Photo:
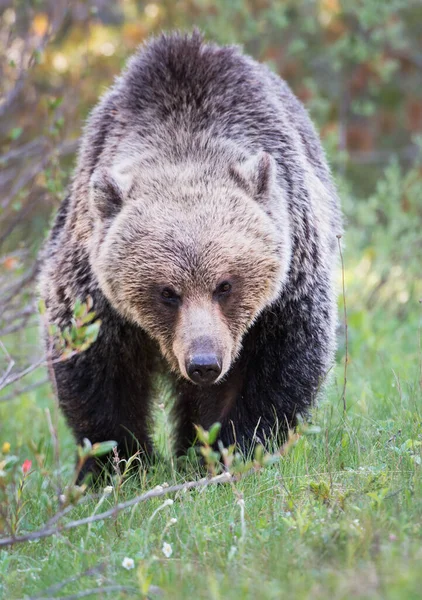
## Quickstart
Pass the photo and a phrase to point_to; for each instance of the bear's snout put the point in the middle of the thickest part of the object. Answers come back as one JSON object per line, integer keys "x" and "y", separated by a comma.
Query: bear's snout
{"x": 203, "y": 369}
{"x": 202, "y": 343}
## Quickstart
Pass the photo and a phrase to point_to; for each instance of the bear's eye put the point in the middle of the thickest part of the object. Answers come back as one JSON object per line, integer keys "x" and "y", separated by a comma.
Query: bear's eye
{"x": 223, "y": 289}
{"x": 169, "y": 296}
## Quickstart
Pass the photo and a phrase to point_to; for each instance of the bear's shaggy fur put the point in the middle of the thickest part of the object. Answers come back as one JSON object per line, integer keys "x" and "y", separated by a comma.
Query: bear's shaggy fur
{"x": 202, "y": 218}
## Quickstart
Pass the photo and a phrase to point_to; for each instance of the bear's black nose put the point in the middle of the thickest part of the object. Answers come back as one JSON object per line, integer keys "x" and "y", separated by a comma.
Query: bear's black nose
{"x": 204, "y": 369}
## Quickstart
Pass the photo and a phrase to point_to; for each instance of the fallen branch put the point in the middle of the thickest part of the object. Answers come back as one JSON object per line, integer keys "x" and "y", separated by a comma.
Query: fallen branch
{"x": 56, "y": 587}
{"x": 155, "y": 493}
{"x": 346, "y": 336}
{"x": 10, "y": 365}
{"x": 28, "y": 388}
{"x": 5, "y": 381}
{"x": 107, "y": 589}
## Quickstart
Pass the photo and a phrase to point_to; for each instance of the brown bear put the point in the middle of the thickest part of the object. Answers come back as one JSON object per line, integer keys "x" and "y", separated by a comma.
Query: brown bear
{"x": 202, "y": 221}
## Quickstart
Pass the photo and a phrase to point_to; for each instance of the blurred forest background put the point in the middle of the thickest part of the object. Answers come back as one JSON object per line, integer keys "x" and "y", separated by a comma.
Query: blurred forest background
{"x": 339, "y": 517}
{"x": 356, "y": 64}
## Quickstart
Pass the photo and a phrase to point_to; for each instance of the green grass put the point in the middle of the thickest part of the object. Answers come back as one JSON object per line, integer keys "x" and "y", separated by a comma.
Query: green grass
{"x": 339, "y": 516}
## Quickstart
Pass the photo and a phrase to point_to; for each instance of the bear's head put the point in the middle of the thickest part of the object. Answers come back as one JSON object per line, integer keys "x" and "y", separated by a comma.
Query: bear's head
{"x": 191, "y": 256}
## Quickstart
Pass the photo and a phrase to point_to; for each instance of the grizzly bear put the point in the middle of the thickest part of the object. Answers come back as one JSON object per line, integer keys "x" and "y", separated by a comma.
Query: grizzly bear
{"x": 202, "y": 221}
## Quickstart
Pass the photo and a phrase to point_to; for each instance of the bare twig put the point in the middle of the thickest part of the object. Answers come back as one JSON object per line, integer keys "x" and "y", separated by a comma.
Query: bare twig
{"x": 28, "y": 388}
{"x": 31, "y": 148}
{"x": 154, "y": 493}
{"x": 53, "y": 432}
{"x": 92, "y": 571}
{"x": 54, "y": 25}
{"x": 379, "y": 157}
{"x": 59, "y": 515}
{"x": 12, "y": 378}
{"x": 67, "y": 509}
{"x": 420, "y": 351}
{"x": 19, "y": 320}
{"x": 107, "y": 589}
{"x": 26, "y": 279}
{"x": 328, "y": 456}
{"x": 10, "y": 365}
{"x": 346, "y": 357}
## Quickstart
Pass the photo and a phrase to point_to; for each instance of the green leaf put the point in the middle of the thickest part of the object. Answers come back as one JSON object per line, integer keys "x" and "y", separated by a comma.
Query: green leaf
{"x": 85, "y": 450}
{"x": 10, "y": 461}
{"x": 42, "y": 307}
{"x": 15, "y": 133}
{"x": 102, "y": 448}
{"x": 213, "y": 433}
{"x": 202, "y": 434}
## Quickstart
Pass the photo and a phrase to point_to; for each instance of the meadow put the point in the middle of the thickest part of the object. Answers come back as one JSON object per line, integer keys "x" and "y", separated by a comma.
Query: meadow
{"x": 338, "y": 512}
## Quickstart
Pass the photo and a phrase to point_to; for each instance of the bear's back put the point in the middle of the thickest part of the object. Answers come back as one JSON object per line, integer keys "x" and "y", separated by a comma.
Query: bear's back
{"x": 201, "y": 86}
{"x": 177, "y": 89}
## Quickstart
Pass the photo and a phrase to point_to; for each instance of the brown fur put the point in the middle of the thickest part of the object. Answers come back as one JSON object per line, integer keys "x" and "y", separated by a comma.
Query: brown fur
{"x": 199, "y": 167}
{"x": 156, "y": 242}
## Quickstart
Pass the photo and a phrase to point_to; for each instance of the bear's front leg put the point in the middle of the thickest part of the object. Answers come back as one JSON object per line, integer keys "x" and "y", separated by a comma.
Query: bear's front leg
{"x": 104, "y": 391}
{"x": 204, "y": 406}
{"x": 284, "y": 364}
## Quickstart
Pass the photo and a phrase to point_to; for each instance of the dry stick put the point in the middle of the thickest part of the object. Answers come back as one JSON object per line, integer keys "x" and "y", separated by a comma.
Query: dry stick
{"x": 155, "y": 493}
{"x": 52, "y": 29}
{"x": 327, "y": 453}
{"x": 32, "y": 148}
{"x": 61, "y": 513}
{"x": 12, "y": 378}
{"x": 53, "y": 432}
{"x": 99, "y": 590}
{"x": 420, "y": 352}
{"x": 56, "y": 587}
{"x": 28, "y": 388}
{"x": 10, "y": 365}
{"x": 346, "y": 358}
{"x": 54, "y": 429}
{"x": 36, "y": 365}
{"x": 67, "y": 509}
{"x": 18, "y": 287}
{"x": 19, "y": 323}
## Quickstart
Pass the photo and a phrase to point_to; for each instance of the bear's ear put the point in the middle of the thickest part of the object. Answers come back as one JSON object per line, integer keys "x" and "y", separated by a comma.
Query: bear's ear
{"x": 256, "y": 175}
{"x": 106, "y": 195}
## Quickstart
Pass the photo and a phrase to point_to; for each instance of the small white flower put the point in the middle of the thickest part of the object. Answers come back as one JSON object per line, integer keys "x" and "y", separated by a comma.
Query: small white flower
{"x": 168, "y": 502}
{"x": 165, "y": 484}
{"x": 128, "y": 563}
{"x": 107, "y": 490}
{"x": 158, "y": 488}
{"x": 173, "y": 520}
{"x": 167, "y": 550}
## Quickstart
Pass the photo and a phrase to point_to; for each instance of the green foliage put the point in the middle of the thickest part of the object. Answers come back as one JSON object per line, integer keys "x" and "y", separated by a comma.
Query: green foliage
{"x": 80, "y": 334}
{"x": 326, "y": 517}
{"x": 336, "y": 512}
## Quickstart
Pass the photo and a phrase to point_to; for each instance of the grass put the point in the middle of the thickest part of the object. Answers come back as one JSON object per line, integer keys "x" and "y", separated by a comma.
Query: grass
{"x": 339, "y": 516}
